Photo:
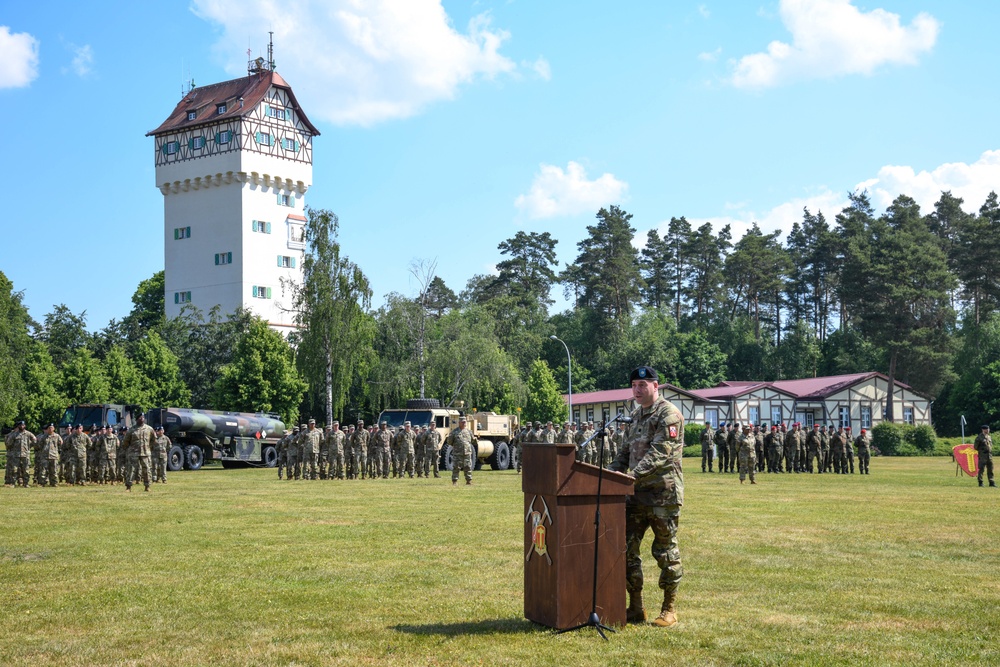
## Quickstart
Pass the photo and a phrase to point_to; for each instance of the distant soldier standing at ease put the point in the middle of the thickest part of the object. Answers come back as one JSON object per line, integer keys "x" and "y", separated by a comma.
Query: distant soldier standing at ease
{"x": 138, "y": 444}
{"x": 160, "y": 453}
{"x": 47, "y": 457}
{"x": 984, "y": 445}
{"x": 864, "y": 452}
{"x": 651, "y": 453}
{"x": 747, "y": 454}
{"x": 722, "y": 452}
{"x": 432, "y": 451}
{"x": 707, "y": 437}
{"x": 19, "y": 444}
{"x": 462, "y": 442}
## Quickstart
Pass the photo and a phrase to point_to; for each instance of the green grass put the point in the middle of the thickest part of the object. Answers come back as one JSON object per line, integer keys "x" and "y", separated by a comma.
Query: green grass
{"x": 233, "y": 567}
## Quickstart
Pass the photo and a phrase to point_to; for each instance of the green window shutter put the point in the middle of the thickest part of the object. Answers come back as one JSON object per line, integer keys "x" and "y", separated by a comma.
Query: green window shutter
{"x": 188, "y": 233}
{"x": 293, "y": 262}
{"x": 256, "y": 136}
{"x": 268, "y": 292}
{"x": 255, "y": 291}
{"x": 217, "y": 136}
{"x": 267, "y": 109}
{"x": 229, "y": 258}
{"x": 255, "y": 225}
{"x": 177, "y": 297}
{"x": 267, "y": 228}
{"x": 216, "y": 259}
{"x": 279, "y": 260}
{"x": 296, "y": 145}
{"x": 288, "y": 114}
{"x": 175, "y": 233}
{"x": 291, "y": 201}
{"x": 163, "y": 149}
{"x": 191, "y": 142}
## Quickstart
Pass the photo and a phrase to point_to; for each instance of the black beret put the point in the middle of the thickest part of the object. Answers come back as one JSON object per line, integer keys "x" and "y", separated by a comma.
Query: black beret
{"x": 20, "y": 423}
{"x": 643, "y": 373}
{"x": 980, "y": 428}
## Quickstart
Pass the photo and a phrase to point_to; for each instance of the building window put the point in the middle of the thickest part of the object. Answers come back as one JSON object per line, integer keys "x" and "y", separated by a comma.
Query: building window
{"x": 276, "y": 112}
{"x": 261, "y": 227}
{"x": 224, "y": 137}
{"x": 290, "y": 144}
{"x": 286, "y": 200}
{"x": 286, "y": 262}
{"x": 866, "y": 417}
{"x": 171, "y": 147}
{"x": 712, "y": 417}
{"x": 754, "y": 414}
{"x": 192, "y": 115}
{"x": 908, "y": 416}
{"x": 590, "y": 414}
{"x": 182, "y": 233}
{"x": 261, "y": 292}
{"x": 845, "y": 417}
{"x": 776, "y": 417}
{"x": 223, "y": 258}
{"x": 220, "y": 108}
{"x": 197, "y": 142}
{"x": 182, "y": 297}
{"x": 264, "y": 139}
{"x": 296, "y": 236}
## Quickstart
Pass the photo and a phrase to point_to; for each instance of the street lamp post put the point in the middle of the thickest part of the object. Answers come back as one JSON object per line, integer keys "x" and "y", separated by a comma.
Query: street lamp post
{"x": 569, "y": 369}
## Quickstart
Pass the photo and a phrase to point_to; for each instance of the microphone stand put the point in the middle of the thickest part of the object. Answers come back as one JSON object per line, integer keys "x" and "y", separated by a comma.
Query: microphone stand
{"x": 594, "y": 621}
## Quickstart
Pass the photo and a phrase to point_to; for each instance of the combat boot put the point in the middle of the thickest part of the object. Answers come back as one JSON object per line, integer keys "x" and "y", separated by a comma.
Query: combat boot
{"x": 993, "y": 484}
{"x": 635, "y": 612}
{"x": 668, "y": 616}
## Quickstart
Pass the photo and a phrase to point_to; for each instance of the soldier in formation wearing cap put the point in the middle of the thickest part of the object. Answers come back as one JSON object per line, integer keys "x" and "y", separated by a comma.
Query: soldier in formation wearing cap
{"x": 310, "y": 451}
{"x": 707, "y": 440}
{"x": 838, "y": 451}
{"x": 138, "y": 443}
{"x": 335, "y": 452}
{"x": 107, "y": 456}
{"x": 380, "y": 459}
{"x": 565, "y": 436}
{"x": 848, "y": 451}
{"x": 359, "y": 445}
{"x": 652, "y": 451}
{"x": 462, "y": 442}
{"x": 161, "y": 451}
{"x": 864, "y": 452}
{"x": 77, "y": 445}
{"x": 408, "y": 441}
{"x": 747, "y": 454}
{"x": 721, "y": 452}
{"x": 292, "y": 469}
{"x": 47, "y": 457}
{"x": 984, "y": 446}
{"x": 19, "y": 444}
{"x": 432, "y": 451}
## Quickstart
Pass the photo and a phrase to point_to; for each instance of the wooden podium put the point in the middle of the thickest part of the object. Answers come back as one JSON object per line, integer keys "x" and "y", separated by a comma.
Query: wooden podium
{"x": 560, "y": 498}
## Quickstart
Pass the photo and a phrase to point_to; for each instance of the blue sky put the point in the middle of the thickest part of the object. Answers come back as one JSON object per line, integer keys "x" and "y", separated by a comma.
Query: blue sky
{"x": 448, "y": 127}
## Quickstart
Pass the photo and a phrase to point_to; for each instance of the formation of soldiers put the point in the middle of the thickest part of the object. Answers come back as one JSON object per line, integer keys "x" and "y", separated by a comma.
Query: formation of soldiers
{"x": 307, "y": 452}
{"x": 749, "y": 449}
{"x": 571, "y": 433}
{"x": 102, "y": 456}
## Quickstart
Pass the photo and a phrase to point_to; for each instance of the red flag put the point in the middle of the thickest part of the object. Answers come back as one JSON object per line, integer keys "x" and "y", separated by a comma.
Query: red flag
{"x": 967, "y": 458}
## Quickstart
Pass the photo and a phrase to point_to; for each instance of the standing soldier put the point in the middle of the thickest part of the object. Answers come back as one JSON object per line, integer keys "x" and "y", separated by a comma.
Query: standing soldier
{"x": 432, "y": 451}
{"x": 139, "y": 443}
{"x": 408, "y": 440}
{"x": 381, "y": 459}
{"x": 758, "y": 435}
{"x": 19, "y": 444}
{"x": 77, "y": 447}
{"x": 310, "y": 451}
{"x": 349, "y": 470}
{"x": 335, "y": 452}
{"x": 292, "y": 455}
{"x": 107, "y": 466}
{"x": 848, "y": 451}
{"x": 824, "y": 449}
{"x": 774, "y": 447}
{"x": 418, "y": 450}
{"x": 733, "y": 445}
{"x": 984, "y": 445}
{"x": 359, "y": 443}
{"x": 96, "y": 432}
{"x": 838, "y": 451}
{"x": 864, "y": 454}
{"x": 324, "y": 453}
{"x": 721, "y": 451}
{"x": 791, "y": 443}
{"x": 747, "y": 454}
{"x": 814, "y": 450}
{"x": 565, "y": 436}
{"x": 160, "y": 452}
{"x": 707, "y": 436}
{"x": 463, "y": 444}
{"x": 50, "y": 445}
{"x": 121, "y": 460}
{"x": 652, "y": 451}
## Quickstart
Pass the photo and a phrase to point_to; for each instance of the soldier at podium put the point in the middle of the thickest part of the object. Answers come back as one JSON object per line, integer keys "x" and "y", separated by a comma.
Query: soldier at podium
{"x": 651, "y": 453}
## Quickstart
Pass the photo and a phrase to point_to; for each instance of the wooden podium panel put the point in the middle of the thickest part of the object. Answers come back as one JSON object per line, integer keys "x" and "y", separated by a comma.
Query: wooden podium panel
{"x": 560, "y": 500}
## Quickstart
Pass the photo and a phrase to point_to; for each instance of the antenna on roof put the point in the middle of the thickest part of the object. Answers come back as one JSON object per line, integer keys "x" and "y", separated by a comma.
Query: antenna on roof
{"x": 270, "y": 50}
{"x": 259, "y": 65}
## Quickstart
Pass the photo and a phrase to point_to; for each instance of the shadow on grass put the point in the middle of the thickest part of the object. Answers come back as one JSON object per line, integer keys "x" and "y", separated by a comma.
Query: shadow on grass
{"x": 505, "y": 626}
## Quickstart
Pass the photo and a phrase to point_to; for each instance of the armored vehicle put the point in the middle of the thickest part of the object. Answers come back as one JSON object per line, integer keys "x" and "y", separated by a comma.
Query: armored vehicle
{"x": 234, "y": 438}
{"x": 88, "y": 414}
{"x": 493, "y": 431}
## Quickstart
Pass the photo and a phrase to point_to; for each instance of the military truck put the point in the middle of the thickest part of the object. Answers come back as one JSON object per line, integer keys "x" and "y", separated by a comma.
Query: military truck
{"x": 88, "y": 414}
{"x": 234, "y": 438}
{"x": 493, "y": 431}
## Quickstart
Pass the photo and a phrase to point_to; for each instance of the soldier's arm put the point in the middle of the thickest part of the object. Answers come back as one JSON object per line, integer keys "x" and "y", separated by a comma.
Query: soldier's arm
{"x": 663, "y": 449}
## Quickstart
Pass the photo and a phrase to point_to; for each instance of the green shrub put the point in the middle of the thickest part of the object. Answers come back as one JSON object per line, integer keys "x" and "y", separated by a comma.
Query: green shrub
{"x": 923, "y": 438}
{"x": 908, "y": 449}
{"x": 889, "y": 437}
{"x": 692, "y": 434}
{"x": 693, "y": 450}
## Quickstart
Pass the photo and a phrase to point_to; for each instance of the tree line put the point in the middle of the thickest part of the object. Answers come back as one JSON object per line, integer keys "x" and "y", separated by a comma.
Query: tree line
{"x": 911, "y": 294}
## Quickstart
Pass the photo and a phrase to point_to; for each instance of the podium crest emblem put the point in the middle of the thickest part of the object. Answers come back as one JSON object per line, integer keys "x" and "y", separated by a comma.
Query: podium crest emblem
{"x": 538, "y": 521}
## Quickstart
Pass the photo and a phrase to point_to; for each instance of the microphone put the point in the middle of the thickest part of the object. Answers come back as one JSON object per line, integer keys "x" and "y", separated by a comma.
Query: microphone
{"x": 622, "y": 419}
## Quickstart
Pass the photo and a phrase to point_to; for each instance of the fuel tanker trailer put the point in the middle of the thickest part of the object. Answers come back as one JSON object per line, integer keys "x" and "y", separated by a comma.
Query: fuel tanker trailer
{"x": 235, "y": 438}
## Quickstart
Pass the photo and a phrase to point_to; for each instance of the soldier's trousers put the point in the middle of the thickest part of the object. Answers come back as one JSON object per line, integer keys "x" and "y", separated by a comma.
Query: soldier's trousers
{"x": 748, "y": 466}
{"x": 310, "y": 465}
{"x": 50, "y": 471}
{"x": 79, "y": 468}
{"x": 431, "y": 463}
{"x": 790, "y": 461}
{"x": 282, "y": 463}
{"x": 21, "y": 471}
{"x": 706, "y": 458}
{"x": 394, "y": 468}
{"x": 9, "y": 474}
{"x": 122, "y": 465}
{"x": 838, "y": 462}
{"x": 106, "y": 469}
{"x": 774, "y": 460}
{"x": 849, "y": 463}
{"x": 385, "y": 461}
{"x": 407, "y": 462}
{"x": 723, "y": 458}
{"x": 292, "y": 470}
{"x": 360, "y": 462}
{"x": 986, "y": 463}
{"x": 863, "y": 459}
{"x": 324, "y": 463}
{"x": 663, "y": 521}
{"x": 160, "y": 468}
{"x": 461, "y": 461}
{"x": 418, "y": 460}
{"x": 137, "y": 466}
{"x": 814, "y": 454}
{"x": 336, "y": 467}
{"x": 761, "y": 457}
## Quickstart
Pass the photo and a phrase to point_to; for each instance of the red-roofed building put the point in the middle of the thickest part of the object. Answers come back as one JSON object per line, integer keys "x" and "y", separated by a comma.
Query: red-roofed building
{"x": 856, "y": 400}
{"x": 233, "y": 162}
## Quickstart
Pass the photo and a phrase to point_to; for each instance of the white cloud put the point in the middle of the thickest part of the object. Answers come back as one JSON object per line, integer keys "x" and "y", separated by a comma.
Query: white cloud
{"x": 710, "y": 56}
{"x": 972, "y": 182}
{"x": 555, "y": 192}
{"x": 703, "y": 10}
{"x": 362, "y": 63}
{"x": 833, "y": 38}
{"x": 83, "y": 59}
{"x": 18, "y": 58}
{"x": 542, "y": 68}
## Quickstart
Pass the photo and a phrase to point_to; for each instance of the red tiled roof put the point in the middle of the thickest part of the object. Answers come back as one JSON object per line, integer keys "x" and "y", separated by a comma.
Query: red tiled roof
{"x": 606, "y": 396}
{"x": 822, "y": 387}
{"x": 724, "y": 390}
{"x": 296, "y": 216}
{"x": 204, "y": 100}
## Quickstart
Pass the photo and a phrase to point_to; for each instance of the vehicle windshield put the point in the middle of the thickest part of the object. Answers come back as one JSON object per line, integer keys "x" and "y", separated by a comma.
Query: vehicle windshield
{"x": 86, "y": 415}
{"x": 395, "y": 418}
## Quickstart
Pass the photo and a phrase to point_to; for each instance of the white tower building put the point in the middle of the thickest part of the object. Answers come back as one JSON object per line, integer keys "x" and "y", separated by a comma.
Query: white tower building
{"x": 234, "y": 161}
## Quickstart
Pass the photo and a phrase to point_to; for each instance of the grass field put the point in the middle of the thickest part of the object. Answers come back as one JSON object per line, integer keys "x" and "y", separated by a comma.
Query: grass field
{"x": 233, "y": 567}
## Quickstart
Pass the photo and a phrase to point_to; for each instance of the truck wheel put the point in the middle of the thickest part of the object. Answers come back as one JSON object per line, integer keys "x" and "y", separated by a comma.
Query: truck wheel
{"x": 175, "y": 458}
{"x": 422, "y": 404}
{"x": 514, "y": 456}
{"x": 447, "y": 460}
{"x": 194, "y": 457}
{"x": 270, "y": 456}
{"x": 501, "y": 456}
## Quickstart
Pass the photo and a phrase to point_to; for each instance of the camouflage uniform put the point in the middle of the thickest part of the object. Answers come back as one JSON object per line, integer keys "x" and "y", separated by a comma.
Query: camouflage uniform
{"x": 432, "y": 452}
{"x": 773, "y": 443}
{"x": 418, "y": 451}
{"x": 359, "y": 443}
{"x": 814, "y": 450}
{"x": 324, "y": 453}
{"x": 653, "y": 447}
{"x": 747, "y": 455}
{"x": 463, "y": 444}
{"x": 864, "y": 453}
{"x": 19, "y": 444}
{"x": 733, "y": 445}
{"x": 407, "y": 440}
{"x": 848, "y": 452}
{"x": 335, "y": 452}
{"x": 578, "y": 439}
{"x": 824, "y": 450}
{"x": 47, "y": 458}
{"x": 838, "y": 451}
{"x": 791, "y": 450}
{"x": 159, "y": 459}
{"x": 310, "y": 451}
{"x": 107, "y": 457}
{"x": 707, "y": 436}
{"x": 721, "y": 449}
{"x": 984, "y": 445}
{"x": 565, "y": 436}
{"x": 138, "y": 443}
{"x": 77, "y": 446}
{"x": 384, "y": 452}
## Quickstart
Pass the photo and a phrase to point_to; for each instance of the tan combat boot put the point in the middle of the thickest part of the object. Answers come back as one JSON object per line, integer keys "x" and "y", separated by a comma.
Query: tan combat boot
{"x": 635, "y": 612}
{"x": 668, "y": 616}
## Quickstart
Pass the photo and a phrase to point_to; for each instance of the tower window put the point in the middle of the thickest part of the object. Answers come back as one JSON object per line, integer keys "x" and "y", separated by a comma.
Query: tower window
{"x": 220, "y": 108}
{"x": 286, "y": 262}
{"x": 182, "y": 297}
{"x": 290, "y": 144}
{"x": 224, "y": 137}
{"x": 261, "y": 292}
{"x": 275, "y": 112}
{"x": 261, "y": 227}
{"x": 223, "y": 258}
{"x": 182, "y": 233}
{"x": 197, "y": 142}
{"x": 171, "y": 147}
{"x": 264, "y": 139}
{"x": 286, "y": 200}
{"x": 192, "y": 115}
